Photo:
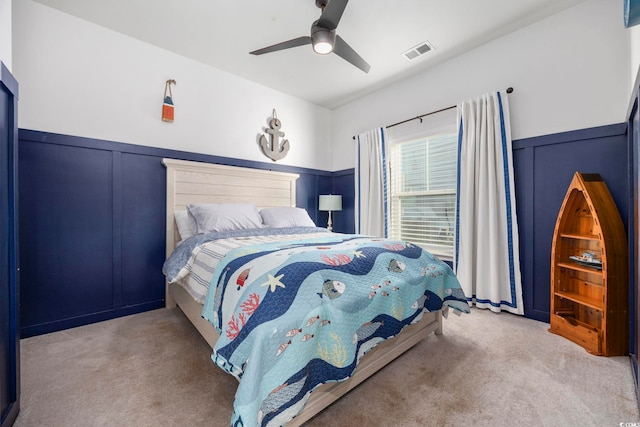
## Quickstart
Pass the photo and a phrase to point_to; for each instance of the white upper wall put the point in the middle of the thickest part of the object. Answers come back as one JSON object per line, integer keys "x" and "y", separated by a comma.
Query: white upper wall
{"x": 569, "y": 71}
{"x": 574, "y": 70}
{"x": 5, "y": 33}
{"x": 634, "y": 63}
{"x": 77, "y": 78}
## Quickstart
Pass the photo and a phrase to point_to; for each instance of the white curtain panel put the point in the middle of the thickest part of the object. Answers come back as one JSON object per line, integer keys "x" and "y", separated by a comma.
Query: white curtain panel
{"x": 487, "y": 259}
{"x": 371, "y": 204}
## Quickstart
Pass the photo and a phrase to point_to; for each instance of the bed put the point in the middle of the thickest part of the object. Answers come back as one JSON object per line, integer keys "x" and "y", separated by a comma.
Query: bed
{"x": 195, "y": 183}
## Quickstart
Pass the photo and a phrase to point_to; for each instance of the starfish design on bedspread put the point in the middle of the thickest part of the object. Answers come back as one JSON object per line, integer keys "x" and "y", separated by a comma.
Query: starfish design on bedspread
{"x": 273, "y": 282}
{"x": 358, "y": 254}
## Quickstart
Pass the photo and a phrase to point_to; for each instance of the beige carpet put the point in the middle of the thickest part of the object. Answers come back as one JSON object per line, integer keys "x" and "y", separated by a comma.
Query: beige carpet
{"x": 487, "y": 369}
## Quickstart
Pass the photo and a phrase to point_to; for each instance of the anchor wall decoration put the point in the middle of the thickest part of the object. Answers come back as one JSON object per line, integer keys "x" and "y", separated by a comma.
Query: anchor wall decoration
{"x": 273, "y": 149}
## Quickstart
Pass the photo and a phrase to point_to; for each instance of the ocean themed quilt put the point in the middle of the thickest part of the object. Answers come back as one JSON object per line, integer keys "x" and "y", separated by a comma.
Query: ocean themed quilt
{"x": 294, "y": 315}
{"x": 193, "y": 262}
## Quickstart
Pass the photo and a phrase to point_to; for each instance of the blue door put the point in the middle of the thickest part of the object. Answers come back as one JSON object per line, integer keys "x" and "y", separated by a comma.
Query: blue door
{"x": 9, "y": 331}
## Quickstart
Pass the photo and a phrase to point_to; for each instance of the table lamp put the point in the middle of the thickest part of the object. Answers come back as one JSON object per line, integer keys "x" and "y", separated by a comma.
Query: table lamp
{"x": 330, "y": 203}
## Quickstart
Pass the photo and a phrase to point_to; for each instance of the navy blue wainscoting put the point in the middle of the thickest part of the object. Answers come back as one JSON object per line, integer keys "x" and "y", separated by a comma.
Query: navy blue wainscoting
{"x": 93, "y": 226}
{"x": 92, "y": 215}
{"x": 344, "y": 184}
{"x": 141, "y": 214}
{"x": 543, "y": 169}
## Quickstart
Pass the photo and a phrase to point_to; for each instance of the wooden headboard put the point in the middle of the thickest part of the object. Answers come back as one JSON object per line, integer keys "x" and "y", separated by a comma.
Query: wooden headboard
{"x": 196, "y": 182}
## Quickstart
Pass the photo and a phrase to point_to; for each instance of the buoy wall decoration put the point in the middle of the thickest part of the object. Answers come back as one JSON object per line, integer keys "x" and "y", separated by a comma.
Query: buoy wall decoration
{"x": 167, "y": 105}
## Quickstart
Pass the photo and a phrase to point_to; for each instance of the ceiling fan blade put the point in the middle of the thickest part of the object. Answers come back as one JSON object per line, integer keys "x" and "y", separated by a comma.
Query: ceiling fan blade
{"x": 343, "y": 50}
{"x": 300, "y": 41}
{"x": 332, "y": 13}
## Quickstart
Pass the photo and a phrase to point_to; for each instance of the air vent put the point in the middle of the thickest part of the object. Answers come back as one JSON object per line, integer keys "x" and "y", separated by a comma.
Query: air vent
{"x": 418, "y": 50}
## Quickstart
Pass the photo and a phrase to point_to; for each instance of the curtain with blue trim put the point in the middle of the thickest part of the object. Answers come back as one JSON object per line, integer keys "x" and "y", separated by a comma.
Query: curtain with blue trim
{"x": 371, "y": 203}
{"x": 486, "y": 251}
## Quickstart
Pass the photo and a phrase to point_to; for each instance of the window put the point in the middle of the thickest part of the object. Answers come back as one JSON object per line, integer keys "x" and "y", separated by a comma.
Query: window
{"x": 423, "y": 192}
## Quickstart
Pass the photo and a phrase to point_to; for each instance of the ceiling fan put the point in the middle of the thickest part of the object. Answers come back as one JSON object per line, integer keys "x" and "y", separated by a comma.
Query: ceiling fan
{"x": 323, "y": 37}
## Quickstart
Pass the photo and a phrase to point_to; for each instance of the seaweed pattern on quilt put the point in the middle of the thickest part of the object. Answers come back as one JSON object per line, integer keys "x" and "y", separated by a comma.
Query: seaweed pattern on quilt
{"x": 297, "y": 315}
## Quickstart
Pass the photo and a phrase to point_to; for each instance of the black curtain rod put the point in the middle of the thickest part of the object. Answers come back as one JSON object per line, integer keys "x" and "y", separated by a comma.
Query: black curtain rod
{"x": 509, "y": 90}
{"x": 421, "y": 116}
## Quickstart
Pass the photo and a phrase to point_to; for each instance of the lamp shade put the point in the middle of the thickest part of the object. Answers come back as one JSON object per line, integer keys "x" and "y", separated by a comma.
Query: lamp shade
{"x": 330, "y": 202}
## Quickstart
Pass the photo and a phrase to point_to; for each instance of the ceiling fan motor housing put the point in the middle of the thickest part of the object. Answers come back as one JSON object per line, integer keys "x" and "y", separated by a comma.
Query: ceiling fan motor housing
{"x": 323, "y": 40}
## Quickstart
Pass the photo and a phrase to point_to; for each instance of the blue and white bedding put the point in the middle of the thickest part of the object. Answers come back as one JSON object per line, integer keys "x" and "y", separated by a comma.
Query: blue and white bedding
{"x": 295, "y": 314}
{"x": 194, "y": 260}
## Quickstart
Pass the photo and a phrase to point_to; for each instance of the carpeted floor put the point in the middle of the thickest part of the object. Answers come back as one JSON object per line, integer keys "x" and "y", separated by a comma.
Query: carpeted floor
{"x": 487, "y": 369}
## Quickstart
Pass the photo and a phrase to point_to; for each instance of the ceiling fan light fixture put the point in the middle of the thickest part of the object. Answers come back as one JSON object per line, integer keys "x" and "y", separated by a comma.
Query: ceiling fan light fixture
{"x": 322, "y": 48}
{"x": 322, "y": 40}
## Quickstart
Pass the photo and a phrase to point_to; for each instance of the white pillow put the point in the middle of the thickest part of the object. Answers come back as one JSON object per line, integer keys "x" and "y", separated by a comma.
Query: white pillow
{"x": 286, "y": 217}
{"x": 186, "y": 224}
{"x": 225, "y": 216}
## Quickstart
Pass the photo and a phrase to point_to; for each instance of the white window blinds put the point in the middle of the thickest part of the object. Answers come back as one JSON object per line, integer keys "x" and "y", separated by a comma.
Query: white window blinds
{"x": 423, "y": 192}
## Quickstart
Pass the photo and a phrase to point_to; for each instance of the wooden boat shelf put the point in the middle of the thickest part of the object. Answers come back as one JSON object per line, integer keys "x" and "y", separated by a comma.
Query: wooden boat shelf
{"x": 589, "y": 306}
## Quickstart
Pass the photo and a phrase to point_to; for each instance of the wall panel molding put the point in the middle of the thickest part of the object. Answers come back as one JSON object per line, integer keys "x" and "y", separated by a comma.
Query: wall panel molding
{"x": 94, "y": 242}
{"x": 135, "y": 189}
{"x": 543, "y": 169}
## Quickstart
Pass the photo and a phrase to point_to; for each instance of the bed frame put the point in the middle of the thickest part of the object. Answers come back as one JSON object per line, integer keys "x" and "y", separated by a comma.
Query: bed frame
{"x": 195, "y": 182}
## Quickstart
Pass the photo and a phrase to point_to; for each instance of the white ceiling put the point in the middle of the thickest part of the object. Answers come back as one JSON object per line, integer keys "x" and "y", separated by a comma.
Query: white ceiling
{"x": 222, "y": 33}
